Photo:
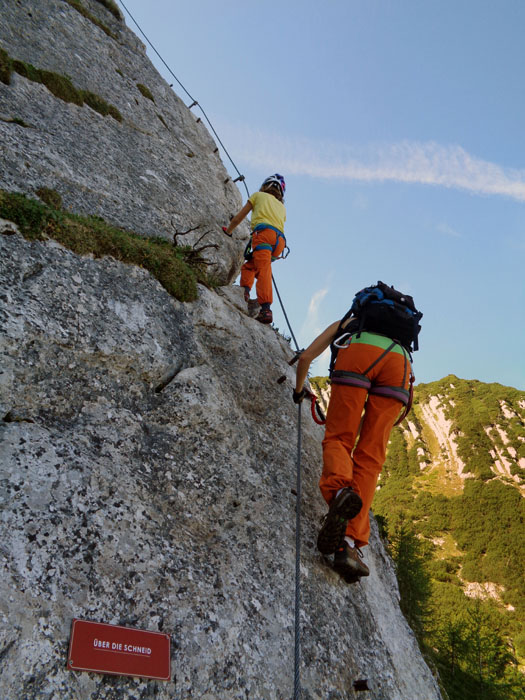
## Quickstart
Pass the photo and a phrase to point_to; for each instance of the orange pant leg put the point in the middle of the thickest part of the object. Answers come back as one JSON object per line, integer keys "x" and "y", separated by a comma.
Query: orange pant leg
{"x": 341, "y": 431}
{"x": 262, "y": 260}
{"x": 248, "y": 274}
{"x": 381, "y": 413}
{"x": 260, "y": 266}
{"x": 278, "y": 248}
{"x": 344, "y": 463}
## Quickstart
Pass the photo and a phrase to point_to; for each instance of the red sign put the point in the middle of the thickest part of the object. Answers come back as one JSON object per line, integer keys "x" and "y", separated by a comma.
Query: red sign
{"x": 121, "y": 651}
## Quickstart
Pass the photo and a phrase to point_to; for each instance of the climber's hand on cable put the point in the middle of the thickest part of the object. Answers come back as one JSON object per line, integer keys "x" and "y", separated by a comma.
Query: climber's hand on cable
{"x": 225, "y": 230}
{"x": 298, "y": 396}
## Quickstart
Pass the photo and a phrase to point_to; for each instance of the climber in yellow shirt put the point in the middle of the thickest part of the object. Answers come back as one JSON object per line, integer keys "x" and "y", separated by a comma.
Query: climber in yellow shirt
{"x": 267, "y": 244}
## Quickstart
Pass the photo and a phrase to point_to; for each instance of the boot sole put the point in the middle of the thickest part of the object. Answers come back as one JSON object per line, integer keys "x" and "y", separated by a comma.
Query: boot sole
{"x": 348, "y": 573}
{"x": 339, "y": 514}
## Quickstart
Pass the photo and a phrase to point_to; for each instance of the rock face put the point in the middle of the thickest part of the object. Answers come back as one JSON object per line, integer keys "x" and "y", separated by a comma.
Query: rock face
{"x": 155, "y": 172}
{"x": 147, "y": 453}
{"x": 168, "y": 507}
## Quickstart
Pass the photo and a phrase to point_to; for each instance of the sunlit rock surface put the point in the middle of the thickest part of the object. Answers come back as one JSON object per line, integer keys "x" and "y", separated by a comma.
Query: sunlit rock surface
{"x": 147, "y": 453}
{"x": 157, "y": 172}
{"x": 168, "y": 509}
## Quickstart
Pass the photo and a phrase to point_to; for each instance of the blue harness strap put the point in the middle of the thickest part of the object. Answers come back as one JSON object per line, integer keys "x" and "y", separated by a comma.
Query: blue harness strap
{"x": 267, "y": 246}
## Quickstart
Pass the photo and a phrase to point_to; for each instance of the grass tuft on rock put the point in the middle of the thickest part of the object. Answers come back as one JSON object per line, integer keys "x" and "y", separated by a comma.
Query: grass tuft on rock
{"x": 145, "y": 91}
{"x": 112, "y": 7}
{"x": 50, "y": 197}
{"x": 96, "y": 102}
{"x": 6, "y": 67}
{"x": 177, "y": 268}
{"x": 77, "y": 5}
{"x": 61, "y": 86}
{"x": 15, "y": 120}
{"x": 58, "y": 85}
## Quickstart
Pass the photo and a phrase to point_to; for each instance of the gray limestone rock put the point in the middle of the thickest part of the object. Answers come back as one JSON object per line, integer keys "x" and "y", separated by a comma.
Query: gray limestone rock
{"x": 156, "y": 172}
{"x": 148, "y": 457}
{"x": 147, "y": 453}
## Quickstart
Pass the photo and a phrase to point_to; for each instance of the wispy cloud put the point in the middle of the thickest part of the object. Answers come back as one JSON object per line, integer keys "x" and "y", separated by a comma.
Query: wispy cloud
{"x": 311, "y": 326}
{"x": 315, "y": 302}
{"x": 411, "y": 162}
{"x": 448, "y": 230}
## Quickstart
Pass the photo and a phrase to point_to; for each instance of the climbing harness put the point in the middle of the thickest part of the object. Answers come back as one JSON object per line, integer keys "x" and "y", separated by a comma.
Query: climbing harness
{"x": 384, "y": 311}
{"x": 248, "y": 252}
{"x": 363, "y": 381}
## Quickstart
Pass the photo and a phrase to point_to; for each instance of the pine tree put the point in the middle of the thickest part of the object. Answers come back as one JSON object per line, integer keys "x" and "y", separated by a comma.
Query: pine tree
{"x": 413, "y": 579}
{"x": 489, "y": 655}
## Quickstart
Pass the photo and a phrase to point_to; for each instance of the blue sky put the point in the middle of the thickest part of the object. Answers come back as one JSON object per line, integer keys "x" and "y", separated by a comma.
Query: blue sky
{"x": 399, "y": 128}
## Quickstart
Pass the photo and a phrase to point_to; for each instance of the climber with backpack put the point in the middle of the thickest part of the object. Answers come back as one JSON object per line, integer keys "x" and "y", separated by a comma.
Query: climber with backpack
{"x": 267, "y": 242}
{"x": 371, "y": 383}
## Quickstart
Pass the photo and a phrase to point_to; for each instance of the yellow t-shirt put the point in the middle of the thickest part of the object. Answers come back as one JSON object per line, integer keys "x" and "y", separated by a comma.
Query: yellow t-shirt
{"x": 267, "y": 209}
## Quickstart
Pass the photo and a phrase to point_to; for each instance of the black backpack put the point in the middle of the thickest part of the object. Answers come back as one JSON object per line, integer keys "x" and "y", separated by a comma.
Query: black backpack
{"x": 382, "y": 309}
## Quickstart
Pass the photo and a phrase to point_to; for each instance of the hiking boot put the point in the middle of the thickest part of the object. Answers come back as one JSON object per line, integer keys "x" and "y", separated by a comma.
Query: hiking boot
{"x": 253, "y": 307}
{"x": 265, "y": 316}
{"x": 343, "y": 508}
{"x": 246, "y": 295}
{"x": 348, "y": 563}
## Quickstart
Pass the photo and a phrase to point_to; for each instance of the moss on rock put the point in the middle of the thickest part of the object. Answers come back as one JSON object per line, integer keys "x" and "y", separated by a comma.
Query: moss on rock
{"x": 58, "y": 85}
{"x": 145, "y": 91}
{"x": 77, "y": 5}
{"x": 177, "y": 268}
{"x": 112, "y": 7}
{"x": 50, "y": 197}
{"x": 6, "y": 67}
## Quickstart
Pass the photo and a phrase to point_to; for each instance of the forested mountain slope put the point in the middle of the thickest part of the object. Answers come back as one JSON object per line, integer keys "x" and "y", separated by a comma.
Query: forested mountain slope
{"x": 450, "y": 503}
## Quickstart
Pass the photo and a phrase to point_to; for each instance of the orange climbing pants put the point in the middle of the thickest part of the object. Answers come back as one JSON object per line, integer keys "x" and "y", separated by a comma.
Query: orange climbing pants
{"x": 260, "y": 266}
{"x": 346, "y": 463}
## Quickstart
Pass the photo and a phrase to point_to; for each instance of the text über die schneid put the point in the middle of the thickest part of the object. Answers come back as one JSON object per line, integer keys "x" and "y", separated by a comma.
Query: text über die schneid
{"x": 120, "y": 646}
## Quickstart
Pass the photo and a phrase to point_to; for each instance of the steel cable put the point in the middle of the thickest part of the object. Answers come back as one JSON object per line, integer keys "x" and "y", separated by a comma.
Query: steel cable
{"x": 241, "y": 177}
{"x": 194, "y": 101}
{"x": 285, "y": 315}
{"x": 297, "y": 649}
{"x": 297, "y": 677}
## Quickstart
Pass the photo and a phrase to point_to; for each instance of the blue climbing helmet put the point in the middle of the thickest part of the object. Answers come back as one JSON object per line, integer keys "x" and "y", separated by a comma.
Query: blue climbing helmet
{"x": 275, "y": 179}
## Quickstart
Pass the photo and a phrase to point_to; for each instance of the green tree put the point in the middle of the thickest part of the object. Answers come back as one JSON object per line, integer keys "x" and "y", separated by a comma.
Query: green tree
{"x": 414, "y": 582}
{"x": 489, "y": 654}
{"x": 450, "y": 640}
